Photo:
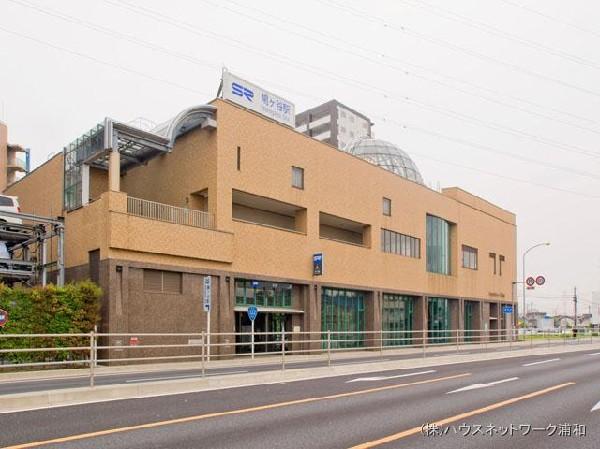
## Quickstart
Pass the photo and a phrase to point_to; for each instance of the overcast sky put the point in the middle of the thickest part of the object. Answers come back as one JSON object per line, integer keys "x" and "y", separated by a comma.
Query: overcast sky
{"x": 499, "y": 97}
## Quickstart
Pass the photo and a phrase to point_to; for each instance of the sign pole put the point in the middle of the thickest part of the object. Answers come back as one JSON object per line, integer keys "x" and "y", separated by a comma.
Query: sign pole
{"x": 207, "y": 306}
{"x": 252, "y": 339}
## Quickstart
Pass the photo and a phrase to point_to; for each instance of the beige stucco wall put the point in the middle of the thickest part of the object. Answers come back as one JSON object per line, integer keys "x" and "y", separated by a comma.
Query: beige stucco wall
{"x": 335, "y": 183}
{"x": 40, "y": 192}
{"x": 345, "y": 186}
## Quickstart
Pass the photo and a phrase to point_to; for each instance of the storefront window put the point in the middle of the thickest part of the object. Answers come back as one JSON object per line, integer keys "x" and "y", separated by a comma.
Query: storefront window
{"x": 397, "y": 319}
{"x": 259, "y": 293}
{"x": 438, "y": 320}
{"x": 343, "y": 313}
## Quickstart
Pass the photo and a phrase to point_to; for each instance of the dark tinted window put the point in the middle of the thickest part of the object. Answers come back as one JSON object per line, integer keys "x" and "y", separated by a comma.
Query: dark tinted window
{"x": 6, "y": 201}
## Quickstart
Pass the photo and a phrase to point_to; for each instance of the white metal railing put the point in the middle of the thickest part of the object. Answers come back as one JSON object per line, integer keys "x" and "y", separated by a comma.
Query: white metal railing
{"x": 87, "y": 350}
{"x": 171, "y": 214}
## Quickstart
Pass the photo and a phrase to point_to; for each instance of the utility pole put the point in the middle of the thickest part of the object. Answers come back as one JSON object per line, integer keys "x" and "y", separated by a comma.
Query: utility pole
{"x": 575, "y": 305}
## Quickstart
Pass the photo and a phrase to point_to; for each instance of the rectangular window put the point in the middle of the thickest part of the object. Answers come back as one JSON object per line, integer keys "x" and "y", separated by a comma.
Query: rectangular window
{"x": 343, "y": 314}
{"x": 298, "y": 177}
{"x": 396, "y": 319}
{"x": 259, "y": 293}
{"x": 239, "y": 159}
{"x": 160, "y": 281}
{"x": 387, "y": 206}
{"x": 438, "y": 245}
{"x": 501, "y": 260}
{"x": 469, "y": 256}
{"x": 396, "y": 243}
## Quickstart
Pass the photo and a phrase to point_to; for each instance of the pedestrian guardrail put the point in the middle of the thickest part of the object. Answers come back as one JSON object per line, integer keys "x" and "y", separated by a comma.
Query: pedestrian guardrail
{"x": 88, "y": 350}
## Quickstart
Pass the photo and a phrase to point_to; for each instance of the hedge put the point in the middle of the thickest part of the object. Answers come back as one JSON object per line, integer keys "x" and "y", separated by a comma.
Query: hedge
{"x": 74, "y": 308}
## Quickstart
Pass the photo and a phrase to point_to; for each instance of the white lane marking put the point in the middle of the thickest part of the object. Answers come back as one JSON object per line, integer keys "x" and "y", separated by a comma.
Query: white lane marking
{"x": 595, "y": 407}
{"x": 360, "y": 363}
{"x": 477, "y": 386}
{"x": 373, "y": 379}
{"x": 188, "y": 376}
{"x": 540, "y": 362}
{"x": 595, "y": 353}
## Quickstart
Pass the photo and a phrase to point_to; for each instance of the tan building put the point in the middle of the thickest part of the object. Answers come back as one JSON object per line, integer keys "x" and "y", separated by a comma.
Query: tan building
{"x": 224, "y": 192}
{"x": 14, "y": 160}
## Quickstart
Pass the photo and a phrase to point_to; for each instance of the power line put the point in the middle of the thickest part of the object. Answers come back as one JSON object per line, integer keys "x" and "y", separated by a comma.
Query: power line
{"x": 551, "y": 18}
{"x": 402, "y": 70}
{"x": 101, "y": 61}
{"x": 161, "y": 17}
{"x": 172, "y": 84}
{"x": 495, "y": 31}
{"x": 457, "y": 48}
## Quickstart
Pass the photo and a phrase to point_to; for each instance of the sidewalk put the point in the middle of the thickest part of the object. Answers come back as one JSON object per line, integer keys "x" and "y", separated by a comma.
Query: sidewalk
{"x": 264, "y": 360}
{"x": 290, "y": 359}
{"x": 64, "y": 397}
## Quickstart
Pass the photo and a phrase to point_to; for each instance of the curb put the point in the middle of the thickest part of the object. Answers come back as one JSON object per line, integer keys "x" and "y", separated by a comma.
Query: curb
{"x": 19, "y": 402}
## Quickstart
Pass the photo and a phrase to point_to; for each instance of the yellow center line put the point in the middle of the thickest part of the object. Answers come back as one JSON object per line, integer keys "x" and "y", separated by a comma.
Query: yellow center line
{"x": 231, "y": 412}
{"x": 451, "y": 419}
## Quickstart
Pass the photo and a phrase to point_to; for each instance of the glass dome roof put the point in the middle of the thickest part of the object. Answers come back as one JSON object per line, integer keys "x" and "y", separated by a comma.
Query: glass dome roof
{"x": 386, "y": 155}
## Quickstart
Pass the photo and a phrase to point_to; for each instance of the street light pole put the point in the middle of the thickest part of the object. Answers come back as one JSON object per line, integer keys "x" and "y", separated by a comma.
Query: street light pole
{"x": 524, "y": 274}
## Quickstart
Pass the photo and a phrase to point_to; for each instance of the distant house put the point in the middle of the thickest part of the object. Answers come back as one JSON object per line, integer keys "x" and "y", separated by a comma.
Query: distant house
{"x": 539, "y": 320}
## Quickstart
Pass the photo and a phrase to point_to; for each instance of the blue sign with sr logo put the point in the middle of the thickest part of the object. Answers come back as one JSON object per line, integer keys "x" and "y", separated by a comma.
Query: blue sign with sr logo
{"x": 252, "y": 313}
{"x": 242, "y": 91}
{"x": 507, "y": 309}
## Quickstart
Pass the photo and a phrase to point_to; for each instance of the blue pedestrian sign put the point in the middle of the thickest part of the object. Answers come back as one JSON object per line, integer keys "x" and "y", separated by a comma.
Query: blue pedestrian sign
{"x": 507, "y": 309}
{"x": 252, "y": 312}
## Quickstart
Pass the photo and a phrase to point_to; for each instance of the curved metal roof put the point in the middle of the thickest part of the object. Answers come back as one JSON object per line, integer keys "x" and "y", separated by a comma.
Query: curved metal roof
{"x": 185, "y": 121}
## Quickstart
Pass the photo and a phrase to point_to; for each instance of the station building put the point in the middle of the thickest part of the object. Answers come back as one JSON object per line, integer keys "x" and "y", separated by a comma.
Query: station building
{"x": 225, "y": 192}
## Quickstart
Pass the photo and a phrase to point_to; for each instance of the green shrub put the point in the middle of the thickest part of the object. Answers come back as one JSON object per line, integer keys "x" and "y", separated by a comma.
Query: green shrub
{"x": 72, "y": 309}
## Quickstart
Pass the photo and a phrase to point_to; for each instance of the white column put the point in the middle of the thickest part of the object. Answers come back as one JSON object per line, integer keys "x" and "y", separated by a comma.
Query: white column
{"x": 85, "y": 184}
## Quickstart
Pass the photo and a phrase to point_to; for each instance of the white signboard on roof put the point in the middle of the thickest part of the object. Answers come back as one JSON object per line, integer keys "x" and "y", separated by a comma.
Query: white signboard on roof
{"x": 257, "y": 99}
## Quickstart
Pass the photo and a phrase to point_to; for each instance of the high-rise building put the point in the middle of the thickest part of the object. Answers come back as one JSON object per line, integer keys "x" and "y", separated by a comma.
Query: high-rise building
{"x": 14, "y": 160}
{"x": 334, "y": 123}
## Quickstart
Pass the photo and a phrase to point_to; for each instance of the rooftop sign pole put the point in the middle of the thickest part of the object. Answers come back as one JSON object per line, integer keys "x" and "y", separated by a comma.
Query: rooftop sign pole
{"x": 257, "y": 99}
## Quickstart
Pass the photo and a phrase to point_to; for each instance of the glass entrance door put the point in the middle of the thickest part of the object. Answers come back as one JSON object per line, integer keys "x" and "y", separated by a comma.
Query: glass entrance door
{"x": 267, "y": 331}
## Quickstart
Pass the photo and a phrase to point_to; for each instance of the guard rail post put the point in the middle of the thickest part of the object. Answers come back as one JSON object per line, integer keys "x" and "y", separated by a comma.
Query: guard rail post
{"x": 381, "y": 342}
{"x": 423, "y": 342}
{"x": 92, "y": 358}
{"x": 457, "y": 337}
{"x": 328, "y": 348}
{"x": 282, "y": 348}
{"x": 203, "y": 340}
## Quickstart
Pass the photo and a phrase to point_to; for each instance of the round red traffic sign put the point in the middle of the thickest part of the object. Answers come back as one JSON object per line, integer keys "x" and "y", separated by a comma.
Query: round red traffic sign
{"x": 3, "y": 317}
{"x": 530, "y": 281}
{"x": 540, "y": 280}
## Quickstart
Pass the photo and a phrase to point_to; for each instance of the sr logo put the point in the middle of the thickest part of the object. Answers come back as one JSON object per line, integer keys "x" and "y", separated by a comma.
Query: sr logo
{"x": 238, "y": 89}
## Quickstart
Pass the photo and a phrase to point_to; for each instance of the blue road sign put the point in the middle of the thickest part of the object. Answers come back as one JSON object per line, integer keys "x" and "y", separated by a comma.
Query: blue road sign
{"x": 507, "y": 309}
{"x": 252, "y": 312}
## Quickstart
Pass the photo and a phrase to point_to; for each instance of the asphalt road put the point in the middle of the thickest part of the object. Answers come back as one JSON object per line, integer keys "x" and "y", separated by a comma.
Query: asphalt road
{"x": 531, "y": 401}
{"x": 42, "y": 384}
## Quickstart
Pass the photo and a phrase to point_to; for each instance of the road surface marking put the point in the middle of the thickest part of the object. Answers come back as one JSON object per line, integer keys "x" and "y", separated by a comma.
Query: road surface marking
{"x": 459, "y": 417}
{"x": 231, "y": 412}
{"x": 476, "y": 386}
{"x": 373, "y": 379}
{"x": 595, "y": 407}
{"x": 595, "y": 353}
{"x": 540, "y": 362}
{"x": 183, "y": 376}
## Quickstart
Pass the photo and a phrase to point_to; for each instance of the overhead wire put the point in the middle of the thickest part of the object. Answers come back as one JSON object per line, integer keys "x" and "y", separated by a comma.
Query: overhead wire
{"x": 179, "y": 86}
{"x": 457, "y": 48}
{"x": 384, "y": 93}
{"x": 380, "y": 61}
